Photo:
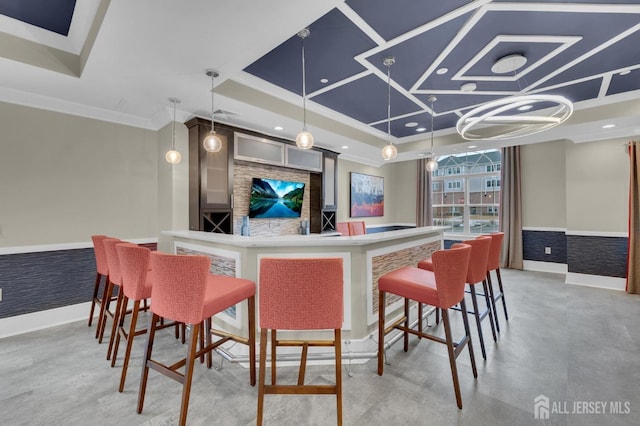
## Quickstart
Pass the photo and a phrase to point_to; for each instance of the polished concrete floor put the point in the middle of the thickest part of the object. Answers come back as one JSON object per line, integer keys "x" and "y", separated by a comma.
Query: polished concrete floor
{"x": 577, "y": 346}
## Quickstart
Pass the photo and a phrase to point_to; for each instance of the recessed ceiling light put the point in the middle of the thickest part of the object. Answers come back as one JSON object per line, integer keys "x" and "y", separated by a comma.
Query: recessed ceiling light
{"x": 468, "y": 87}
{"x": 410, "y": 124}
{"x": 278, "y": 128}
{"x": 625, "y": 72}
{"x": 345, "y": 147}
{"x": 421, "y": 129}
{"x": 525, "y": 107}
{"x": 472, "y": 146}
{"x": 442, "y": 70}
{"x": 324, "y": 81}
{"x": 420, "y": 154}
{"x": 608, "y": 126}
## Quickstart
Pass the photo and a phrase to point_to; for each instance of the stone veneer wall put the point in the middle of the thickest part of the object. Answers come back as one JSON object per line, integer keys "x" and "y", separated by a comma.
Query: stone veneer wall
{"x": 242, "y": 174}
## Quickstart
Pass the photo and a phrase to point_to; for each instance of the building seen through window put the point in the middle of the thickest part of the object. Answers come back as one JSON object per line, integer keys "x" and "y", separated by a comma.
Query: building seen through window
{"x": 466, "y": 192}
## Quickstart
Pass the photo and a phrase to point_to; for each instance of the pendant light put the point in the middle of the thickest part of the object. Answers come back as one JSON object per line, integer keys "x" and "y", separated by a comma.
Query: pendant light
{"x": 432, "y": 163}
{"x": 172, "y": 156}
{"x": 212, "y": 142}
{"x": 389, "y": 152}
{"x": 304, "y": 140}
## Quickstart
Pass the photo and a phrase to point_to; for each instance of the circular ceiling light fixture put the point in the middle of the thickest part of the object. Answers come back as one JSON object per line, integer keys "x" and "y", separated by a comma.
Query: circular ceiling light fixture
{"x": 442, "y": 70}
{"x": 410, "y": 124}
{"x": 504, "y": 118}
{"x": 499, "y": 119}
{"x": 509, "y": 63}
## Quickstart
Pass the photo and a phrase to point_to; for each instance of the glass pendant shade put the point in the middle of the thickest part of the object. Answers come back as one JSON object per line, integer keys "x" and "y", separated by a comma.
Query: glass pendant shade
{"x": 173, "y": 157}
{"x": 389, "y": 152}
{"x": 304, "y": 140}
{"x": 212, "y": 142}
{"x": 432, "y": 165}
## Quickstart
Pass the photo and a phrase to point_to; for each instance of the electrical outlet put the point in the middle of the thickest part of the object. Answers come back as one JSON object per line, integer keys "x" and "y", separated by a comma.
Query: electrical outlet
{"x": 547, "y": 250}
{"x": 0, "y": 295}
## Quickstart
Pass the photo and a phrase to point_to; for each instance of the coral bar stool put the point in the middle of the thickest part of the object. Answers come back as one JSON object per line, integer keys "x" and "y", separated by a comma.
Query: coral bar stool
{"x": 476, "y": 273}
{"x": 442, "y": 288}
{"x": 343, "y": 228}
{"x": 493, "y": 264}
{"x": 357, "y": 228}
{"x": 102, "y": 270}
{"x": 183, "y": 290}
{"x": 136, "y": 286}
{"x": 300, "y": 294}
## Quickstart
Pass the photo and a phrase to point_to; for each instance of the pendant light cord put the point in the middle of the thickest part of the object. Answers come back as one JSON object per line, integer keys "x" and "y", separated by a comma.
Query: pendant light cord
{"x": 213, "y": 91}
{"x": 389, "y": 103}
{"x": 432, "y": 114}
{"x": 304, "y": 91}
{"x": 173, "y": 141}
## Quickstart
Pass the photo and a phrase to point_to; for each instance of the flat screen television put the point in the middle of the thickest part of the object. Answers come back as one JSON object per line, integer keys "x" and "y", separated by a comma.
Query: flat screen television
{"x": 272, "y": 198}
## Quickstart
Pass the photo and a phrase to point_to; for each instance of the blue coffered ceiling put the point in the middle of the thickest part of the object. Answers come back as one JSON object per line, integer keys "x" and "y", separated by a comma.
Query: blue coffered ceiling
{"x": 584, "y": 50}
{"x": 51, "y": 15}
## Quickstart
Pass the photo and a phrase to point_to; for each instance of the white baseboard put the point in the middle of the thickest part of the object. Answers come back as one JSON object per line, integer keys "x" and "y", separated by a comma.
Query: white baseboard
{"x": 532, "y": 265}
{"x": 20, "y": 324}
{"x": 598, "y": 281}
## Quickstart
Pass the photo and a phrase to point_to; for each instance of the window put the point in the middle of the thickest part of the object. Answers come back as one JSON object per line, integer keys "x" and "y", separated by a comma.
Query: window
{"x": 452, "y": 185}
{"x": 492, "y": 183}
{"x": 470, "y": 202}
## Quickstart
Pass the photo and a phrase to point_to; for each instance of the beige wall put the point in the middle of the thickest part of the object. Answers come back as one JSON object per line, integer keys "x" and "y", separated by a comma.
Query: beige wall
{"x": 580, "y": 187}
{"x": 64, "y": 178}
{"x": 597, "y": 186}
{"x": 399, "y": 191}
{"x": 543, "y": 185}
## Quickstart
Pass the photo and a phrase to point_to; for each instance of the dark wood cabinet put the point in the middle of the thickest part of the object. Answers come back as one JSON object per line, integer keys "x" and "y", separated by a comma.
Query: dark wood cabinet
{"x": 211, "y": 182}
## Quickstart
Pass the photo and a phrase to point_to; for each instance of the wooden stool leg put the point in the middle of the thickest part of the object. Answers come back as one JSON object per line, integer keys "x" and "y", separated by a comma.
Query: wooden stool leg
{"x": 493, "y": 301}
{"x": 406, "y": 325}
{"x": 116, "y": 319}
{"x": 487, "y": 301}
{"x": 381, "y": 333}
{"x": 274, "y": 345}
{"x": 476, "y": 314}
{"x": 121, "y": 314}
{"x": 188, "y": 372}
{"x": 106, "y": 301}
{"x": 504, "y": 302}
{"x": 96, "y": 287}
{"x": 465, "y": 321}
{"x": 262, "y": 374}
{"x": 452, "y": 356}
{"x": 127, "y": 352}
{"x": 338, "y": 346}
{"x": 252, "y": 340}
{"x": 145, "y": 364}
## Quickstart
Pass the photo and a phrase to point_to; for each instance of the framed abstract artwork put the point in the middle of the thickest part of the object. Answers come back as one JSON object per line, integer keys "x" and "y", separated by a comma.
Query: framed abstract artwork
{"x": 367, "y": 195}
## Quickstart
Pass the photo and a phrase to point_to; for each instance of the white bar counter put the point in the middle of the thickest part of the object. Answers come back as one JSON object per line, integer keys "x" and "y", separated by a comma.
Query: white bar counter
{"x": 365, "y": 259}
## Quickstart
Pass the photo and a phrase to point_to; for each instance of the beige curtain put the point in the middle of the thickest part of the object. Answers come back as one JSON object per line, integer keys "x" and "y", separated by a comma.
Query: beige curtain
{"x": 424, "y": 211}
{"x": 633, "y": 256}
{"x": 511, "y": 208}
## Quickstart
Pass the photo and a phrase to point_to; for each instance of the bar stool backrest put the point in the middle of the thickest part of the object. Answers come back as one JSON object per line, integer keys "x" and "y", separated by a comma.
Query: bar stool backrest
{"x": 495, "y": 250}
{"x": 101, "y": 257}
{"x": 450, "y": 270}
{"x": 478, "y": 261}
{"x": 301, "y": 294}
{"x": 134, "y": 265}
{"x": 115, "y": 275}
{"x": 179, "y": 284}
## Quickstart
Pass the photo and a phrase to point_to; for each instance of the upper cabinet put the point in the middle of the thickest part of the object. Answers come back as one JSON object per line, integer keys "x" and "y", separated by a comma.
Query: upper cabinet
{"x": 266, "y": 151}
